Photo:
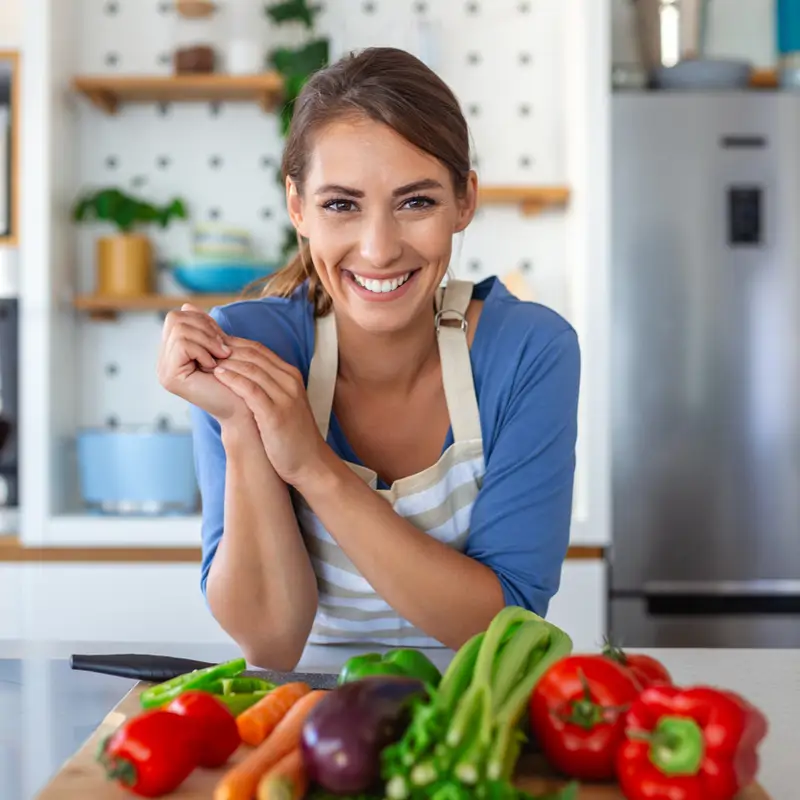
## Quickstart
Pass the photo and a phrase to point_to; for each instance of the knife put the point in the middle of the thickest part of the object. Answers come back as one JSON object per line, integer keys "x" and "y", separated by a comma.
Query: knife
{"x": 157, "y": 668}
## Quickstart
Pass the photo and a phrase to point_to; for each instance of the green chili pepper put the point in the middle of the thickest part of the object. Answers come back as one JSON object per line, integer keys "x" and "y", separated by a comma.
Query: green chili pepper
{"x": 163, "y": 693}
{"x": 403, "y": 662}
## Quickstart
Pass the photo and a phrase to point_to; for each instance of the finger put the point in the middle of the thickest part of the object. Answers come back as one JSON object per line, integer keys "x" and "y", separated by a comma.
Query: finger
{"x": 193, "y": 318}
{"x": 265, "y": 379}
{"x": 262, "y": 355}
{"x": 250, "y": 391}
{"x": 197, "y": 331}
{"x": 186, "y": 351}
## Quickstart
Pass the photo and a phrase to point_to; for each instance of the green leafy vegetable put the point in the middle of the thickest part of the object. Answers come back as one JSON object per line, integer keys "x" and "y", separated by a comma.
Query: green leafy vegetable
{"x": 125, "y": 211}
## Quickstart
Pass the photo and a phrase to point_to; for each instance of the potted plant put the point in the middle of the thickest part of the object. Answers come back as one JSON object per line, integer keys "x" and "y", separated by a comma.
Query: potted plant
{"x": 125, "y": 259}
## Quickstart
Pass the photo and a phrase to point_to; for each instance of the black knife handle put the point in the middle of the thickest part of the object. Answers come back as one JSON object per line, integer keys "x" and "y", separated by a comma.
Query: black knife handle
{"x": 137, "y": 666}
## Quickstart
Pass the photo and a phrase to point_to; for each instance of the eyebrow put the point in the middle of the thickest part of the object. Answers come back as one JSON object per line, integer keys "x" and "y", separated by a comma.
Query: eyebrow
{"x": 416, "y": 186}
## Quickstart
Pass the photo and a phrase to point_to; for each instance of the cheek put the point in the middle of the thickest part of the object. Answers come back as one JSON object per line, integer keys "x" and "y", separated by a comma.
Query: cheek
{"x": 431, "y": 238}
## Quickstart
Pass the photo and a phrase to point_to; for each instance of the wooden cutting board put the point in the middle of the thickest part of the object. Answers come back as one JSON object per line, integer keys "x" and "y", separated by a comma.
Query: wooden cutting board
{"x": 81, "y": 777}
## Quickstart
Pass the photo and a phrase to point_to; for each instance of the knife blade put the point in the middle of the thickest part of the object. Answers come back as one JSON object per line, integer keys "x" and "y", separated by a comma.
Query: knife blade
{"x": 158, "y": 668}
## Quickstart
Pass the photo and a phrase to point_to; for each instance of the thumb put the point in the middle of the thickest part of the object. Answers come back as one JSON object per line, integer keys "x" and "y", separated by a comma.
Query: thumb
{"x": 190, "y": 307}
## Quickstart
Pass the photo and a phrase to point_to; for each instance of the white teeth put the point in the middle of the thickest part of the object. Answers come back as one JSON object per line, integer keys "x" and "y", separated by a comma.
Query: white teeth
{"x": 379, "y": 287}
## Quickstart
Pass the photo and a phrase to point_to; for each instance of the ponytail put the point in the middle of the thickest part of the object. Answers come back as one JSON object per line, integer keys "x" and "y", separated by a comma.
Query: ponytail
{"x": 289, "y": 278}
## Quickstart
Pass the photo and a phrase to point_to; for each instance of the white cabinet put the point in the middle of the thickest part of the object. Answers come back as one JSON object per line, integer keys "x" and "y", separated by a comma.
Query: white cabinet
{"x": 580, "y": 607}
{"x": 152, "y": 603}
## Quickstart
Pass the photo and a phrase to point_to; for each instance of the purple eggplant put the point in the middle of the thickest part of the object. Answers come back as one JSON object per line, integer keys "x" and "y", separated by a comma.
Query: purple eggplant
{"x": 345, "y": 733}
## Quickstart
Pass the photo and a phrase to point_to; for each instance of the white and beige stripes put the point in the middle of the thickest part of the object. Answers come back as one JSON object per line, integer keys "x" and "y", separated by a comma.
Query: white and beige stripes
{"x": 437, "y": 500}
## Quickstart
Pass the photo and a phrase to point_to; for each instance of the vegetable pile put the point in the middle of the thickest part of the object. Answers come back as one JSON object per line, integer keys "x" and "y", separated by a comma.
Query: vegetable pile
{"x": 395, "y": 728}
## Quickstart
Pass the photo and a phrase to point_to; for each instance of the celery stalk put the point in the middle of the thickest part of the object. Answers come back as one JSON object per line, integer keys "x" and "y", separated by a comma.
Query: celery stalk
{"x": 458, "y": 675}
{"x": 532, "y": 639}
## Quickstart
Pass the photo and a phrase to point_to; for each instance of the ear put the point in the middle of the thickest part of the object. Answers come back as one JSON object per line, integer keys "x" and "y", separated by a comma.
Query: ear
{"x": 294, "y": 205}
{"x": 468, "y": 204}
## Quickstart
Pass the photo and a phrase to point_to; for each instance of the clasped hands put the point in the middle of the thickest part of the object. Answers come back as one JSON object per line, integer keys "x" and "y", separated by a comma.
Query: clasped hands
{"x": 241, "y": 383}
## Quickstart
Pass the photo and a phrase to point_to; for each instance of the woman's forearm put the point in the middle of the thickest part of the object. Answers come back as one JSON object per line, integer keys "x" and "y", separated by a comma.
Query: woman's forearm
{"x": 261, "y": 585}
{"x": 446, "y": 594}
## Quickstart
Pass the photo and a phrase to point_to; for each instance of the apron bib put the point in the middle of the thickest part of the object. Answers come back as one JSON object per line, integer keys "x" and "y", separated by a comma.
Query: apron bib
{"x": 437, "y": 501}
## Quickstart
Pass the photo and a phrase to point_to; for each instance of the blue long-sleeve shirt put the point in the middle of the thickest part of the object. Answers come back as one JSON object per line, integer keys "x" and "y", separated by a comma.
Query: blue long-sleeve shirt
{"x": 526, "y": 368}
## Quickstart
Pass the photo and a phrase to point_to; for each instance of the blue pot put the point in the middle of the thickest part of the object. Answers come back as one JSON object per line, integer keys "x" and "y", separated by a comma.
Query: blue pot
{"x": 137, "y": 471}
{"x": 787, "y": 22}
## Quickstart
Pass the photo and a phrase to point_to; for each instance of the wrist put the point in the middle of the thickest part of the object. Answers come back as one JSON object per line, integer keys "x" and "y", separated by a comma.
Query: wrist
{"x": 320, "y": 477}
{"x": 238, "y": 432}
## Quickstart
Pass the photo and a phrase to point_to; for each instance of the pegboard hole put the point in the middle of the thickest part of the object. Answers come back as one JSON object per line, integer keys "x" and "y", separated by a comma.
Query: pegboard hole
{"x": 163, "y": 162}
{"x": 215, "y": 162}
{"x": 112, "y": 8}
{"x": 112, "y": 59}
{"x": 525, "y": 265}
{"x": 472, "y": 7}
{"x": 420, "y": 7}
{"x": 525, "y": 58}
{"x": 525, "y": 161}
{"x": 164, "y": 59}
{"x": 369, "y": 7}
{"x": 215, "y": 109}
{"x": 474, "y": 110}
{"x": 112, "y": 162}
{"x": 112, "y": 369}
{"x": 473, "y": 58}
{"x": 475, "y": 265}
{"x": 524, "y": 7}
{"x": 164, "y": 7}
{"x": 138, "y": 181}
{"x": 214, "y": 213}
{"x": 112, "y": 421}
{"x": 524, "y": 110}
{"x": 163, "y": 109}
{"x": 267, "y": 162}
{"x": 266, "y": 213}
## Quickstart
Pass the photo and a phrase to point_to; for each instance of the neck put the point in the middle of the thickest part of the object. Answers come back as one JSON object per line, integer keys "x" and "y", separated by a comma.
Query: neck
{"x": 391, "y": 361}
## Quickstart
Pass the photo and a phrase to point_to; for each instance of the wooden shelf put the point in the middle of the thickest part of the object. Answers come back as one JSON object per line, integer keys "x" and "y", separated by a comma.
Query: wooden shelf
{"x": 108, "y": 92}
{"x": 531, "y": 199}
{"x": 100, "y": 307}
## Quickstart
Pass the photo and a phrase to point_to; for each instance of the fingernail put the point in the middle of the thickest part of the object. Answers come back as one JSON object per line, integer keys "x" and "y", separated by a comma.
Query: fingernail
{"x": 223, "y": 345}
{"x": 220, "y": 369}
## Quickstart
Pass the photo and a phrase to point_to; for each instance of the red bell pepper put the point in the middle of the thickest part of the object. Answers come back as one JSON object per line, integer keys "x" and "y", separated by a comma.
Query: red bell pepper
{"x": 697, "y": 743}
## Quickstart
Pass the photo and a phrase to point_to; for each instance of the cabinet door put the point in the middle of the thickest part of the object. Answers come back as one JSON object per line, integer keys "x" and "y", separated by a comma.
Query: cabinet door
{"x": 11, "y": 608}
{"x": 580, "y": 606}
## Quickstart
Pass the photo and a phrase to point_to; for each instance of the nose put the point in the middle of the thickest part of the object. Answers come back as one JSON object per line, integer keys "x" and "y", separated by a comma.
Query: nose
{"x": 381, "y": 244}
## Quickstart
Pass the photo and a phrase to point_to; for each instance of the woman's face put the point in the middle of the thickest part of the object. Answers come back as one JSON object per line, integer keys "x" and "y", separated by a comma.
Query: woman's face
{"x": 379, "y": 216}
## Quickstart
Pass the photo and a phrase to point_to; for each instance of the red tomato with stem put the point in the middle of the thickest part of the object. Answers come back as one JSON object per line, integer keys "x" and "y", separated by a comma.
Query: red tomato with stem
{"x": 646, "y": 669}
{"x": 577, "y": 712}
{"x": 151, "y": 754}
{"x": 218, "y": 735}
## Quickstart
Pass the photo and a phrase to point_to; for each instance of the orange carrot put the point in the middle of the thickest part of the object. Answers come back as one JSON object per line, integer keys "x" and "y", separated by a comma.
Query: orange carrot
{"x": 287, "y": 780}
{"x": 258, "y": 721}
{"x": 241, "y": 781}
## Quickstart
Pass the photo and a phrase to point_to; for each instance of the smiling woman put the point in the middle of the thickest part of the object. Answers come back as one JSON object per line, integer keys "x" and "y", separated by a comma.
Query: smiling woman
{"x": 385, "y": 456}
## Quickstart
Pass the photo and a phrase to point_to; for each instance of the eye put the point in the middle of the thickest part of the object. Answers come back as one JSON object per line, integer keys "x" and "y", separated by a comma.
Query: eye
{"x": 339, "y": 205}
{"x": 420, "y": 202}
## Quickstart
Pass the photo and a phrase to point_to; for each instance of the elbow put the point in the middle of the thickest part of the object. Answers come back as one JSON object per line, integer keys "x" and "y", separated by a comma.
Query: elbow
{"x": 276, "y": 658}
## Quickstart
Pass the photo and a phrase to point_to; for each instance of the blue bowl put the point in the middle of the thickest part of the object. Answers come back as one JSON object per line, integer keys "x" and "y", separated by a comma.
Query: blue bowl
{"x": 219, "y": 278}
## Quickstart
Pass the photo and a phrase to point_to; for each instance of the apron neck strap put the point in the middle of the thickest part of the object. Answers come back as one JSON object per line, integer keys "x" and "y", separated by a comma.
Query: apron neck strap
{"x": 451, "y": 305}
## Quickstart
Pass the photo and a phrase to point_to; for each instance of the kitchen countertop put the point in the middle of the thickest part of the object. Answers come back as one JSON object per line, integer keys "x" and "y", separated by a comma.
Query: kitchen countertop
{"x": 47, "y": 710}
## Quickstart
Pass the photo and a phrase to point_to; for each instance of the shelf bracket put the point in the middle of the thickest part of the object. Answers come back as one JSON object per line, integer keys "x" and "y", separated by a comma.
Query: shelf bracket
{"x": 104, "y": 100}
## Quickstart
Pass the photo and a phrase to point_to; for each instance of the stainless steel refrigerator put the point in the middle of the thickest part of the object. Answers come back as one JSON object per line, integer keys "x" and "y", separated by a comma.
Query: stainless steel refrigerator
{"x": 706, "y": 370}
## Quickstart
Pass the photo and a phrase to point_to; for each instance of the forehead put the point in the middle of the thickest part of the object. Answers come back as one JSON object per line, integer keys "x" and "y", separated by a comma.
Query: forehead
{"x": 362, "y": 150}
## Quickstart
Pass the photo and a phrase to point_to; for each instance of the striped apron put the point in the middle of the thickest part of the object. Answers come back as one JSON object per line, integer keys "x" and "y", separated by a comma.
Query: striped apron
{"x": 437, "y": 500}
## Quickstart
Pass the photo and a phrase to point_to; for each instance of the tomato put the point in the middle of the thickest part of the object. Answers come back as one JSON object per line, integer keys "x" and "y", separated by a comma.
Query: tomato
{"x": 646, "y": 669}
{"x": 577, "y": 712}
{"x": 151, "y": 754}
{"x": 218, "y": 735}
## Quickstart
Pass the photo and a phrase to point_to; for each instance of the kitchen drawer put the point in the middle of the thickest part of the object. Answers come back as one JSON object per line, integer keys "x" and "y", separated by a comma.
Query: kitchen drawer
{"x": 580, "y": 606}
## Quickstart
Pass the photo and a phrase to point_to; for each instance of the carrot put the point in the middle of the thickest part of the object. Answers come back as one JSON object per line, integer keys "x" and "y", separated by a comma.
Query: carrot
{"x": 287, "y": 780}
{"x": 241, "y": 781}
{"x": 258, "y": 721}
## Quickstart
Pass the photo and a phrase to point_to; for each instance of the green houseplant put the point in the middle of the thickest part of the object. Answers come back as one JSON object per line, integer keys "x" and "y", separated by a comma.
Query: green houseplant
{"x": 125, "y": 259}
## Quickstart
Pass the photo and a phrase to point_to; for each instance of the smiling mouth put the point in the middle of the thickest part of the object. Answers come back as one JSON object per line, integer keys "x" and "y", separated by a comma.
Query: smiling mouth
{"x": 386, "y": 286}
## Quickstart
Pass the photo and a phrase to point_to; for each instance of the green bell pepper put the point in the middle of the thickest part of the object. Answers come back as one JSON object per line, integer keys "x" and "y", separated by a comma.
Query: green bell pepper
{"x": 238, "y": 694}
{"x": 163, "y": 693}
{"x": 403, "y": 662}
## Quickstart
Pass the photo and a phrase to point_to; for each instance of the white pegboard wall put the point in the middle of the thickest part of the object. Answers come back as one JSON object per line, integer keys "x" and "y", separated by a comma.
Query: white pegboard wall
{"x": 503, "y": 58}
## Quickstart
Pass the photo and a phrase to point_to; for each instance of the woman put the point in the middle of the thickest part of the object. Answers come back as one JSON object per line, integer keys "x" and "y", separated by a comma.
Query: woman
{"x": 380, "y": 460}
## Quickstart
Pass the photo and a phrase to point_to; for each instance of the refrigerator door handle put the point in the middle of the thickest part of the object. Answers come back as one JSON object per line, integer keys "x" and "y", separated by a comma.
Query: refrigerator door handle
{"x": 722, "y": 598}
{"x": 767, "y": 587}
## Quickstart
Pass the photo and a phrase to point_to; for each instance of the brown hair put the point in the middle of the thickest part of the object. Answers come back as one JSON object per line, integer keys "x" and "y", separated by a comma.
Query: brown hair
{"x": 387, "y": 85}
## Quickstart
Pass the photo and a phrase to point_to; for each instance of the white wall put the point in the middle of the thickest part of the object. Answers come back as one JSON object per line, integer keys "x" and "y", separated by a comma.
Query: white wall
{"x": 10, "y": 23}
